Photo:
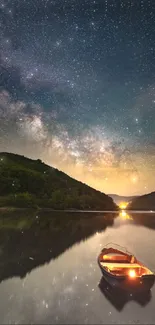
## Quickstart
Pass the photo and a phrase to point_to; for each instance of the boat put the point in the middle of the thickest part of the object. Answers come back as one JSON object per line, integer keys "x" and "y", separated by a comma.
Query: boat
{"x": 123, "y": 270}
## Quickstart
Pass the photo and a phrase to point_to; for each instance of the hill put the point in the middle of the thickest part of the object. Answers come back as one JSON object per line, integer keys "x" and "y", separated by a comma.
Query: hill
{"x": 143, "y": 202}
{"x": 31, "y": 183}
{"x": 118, "y": 199}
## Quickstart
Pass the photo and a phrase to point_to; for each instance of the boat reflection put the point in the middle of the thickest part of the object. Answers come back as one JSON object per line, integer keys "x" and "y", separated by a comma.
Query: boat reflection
{"x": 119, "y": 298}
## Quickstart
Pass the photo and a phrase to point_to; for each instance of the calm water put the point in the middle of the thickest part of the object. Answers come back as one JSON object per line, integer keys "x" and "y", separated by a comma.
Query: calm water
{"x": 63, "y": 281}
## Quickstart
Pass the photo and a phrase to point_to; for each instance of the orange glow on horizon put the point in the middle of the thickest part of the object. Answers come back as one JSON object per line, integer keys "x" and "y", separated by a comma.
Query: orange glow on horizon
{"x": 123, "y": 205}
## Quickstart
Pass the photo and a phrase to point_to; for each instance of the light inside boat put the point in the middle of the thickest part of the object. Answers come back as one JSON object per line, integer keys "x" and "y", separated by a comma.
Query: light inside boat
{"x": 132, "y": 274}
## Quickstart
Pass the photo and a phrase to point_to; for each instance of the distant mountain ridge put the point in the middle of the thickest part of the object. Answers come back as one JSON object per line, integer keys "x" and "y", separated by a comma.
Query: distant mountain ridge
{"x": 143, "y": 202}
{"x": 25, "y": 183}
{"x": 118, "y": 198}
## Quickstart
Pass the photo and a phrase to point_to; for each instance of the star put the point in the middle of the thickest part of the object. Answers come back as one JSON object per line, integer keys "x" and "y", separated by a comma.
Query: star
{"x": 58, "y": 43}
{"x": 77, "y": 89}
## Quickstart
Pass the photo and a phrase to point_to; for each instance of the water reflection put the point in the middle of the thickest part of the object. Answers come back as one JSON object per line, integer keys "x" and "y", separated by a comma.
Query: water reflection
{"x": 119, "y": 298}
{"x": 49, "y": 263}
{"x": 28, "y": 240}
{"x": 125, "y": 216}
{"x": 139, "y": 218}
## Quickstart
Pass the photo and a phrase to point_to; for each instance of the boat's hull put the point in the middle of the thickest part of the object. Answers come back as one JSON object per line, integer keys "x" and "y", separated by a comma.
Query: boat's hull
{"x": 143, "y": 283}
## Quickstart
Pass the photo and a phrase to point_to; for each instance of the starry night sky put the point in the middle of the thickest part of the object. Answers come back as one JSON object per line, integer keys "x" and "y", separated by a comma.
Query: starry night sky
{"x": 77, "y": 88}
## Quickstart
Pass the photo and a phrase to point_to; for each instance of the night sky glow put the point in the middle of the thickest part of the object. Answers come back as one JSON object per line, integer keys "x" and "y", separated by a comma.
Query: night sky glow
{"x": 77, "y": 88}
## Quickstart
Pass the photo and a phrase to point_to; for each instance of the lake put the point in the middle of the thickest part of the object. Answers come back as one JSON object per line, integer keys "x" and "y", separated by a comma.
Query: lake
{"x": 52, "y": 276}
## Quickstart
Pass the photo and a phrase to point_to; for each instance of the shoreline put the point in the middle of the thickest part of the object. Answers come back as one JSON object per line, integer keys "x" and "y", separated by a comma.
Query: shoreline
{"x": 74, "y": 210}
{"x": 57, "y": 210}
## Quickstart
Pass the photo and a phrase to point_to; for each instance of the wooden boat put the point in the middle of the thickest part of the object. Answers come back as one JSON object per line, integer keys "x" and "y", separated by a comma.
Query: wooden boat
{"x": 123, "y": 270}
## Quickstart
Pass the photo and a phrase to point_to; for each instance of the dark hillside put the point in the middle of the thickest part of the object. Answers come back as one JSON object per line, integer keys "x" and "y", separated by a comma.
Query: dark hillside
{"x": 26, "y": 183}
{"x": 144, "y": 202}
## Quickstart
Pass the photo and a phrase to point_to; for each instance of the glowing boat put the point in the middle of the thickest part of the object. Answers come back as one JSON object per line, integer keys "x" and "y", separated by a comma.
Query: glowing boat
{"x": 123, "y": 270}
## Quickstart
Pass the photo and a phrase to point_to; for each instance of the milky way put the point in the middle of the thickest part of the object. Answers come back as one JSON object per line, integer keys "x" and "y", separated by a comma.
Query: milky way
{"x": 77, "y": 88}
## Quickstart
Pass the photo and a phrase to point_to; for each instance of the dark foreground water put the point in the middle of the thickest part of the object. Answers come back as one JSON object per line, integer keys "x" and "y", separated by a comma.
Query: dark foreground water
{"x": 49, "y": 271}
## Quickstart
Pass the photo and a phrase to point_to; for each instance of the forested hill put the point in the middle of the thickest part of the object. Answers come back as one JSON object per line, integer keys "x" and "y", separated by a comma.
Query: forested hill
{"x": 27, "y": 183}
{"x": 143, "y": 202}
